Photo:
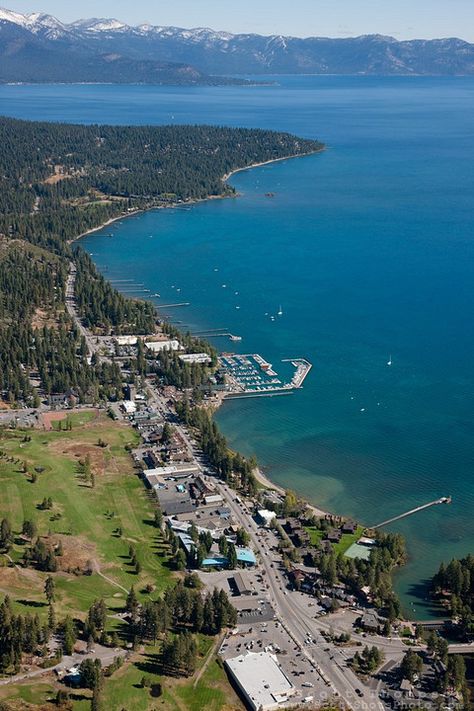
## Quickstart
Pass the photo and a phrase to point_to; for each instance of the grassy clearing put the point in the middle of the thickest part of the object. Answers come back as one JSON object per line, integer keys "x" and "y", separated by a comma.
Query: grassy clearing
{"x": 85, "y": 519}
{"x": 212, "y": 692}
{"x": 315, "y": 535}
{"x": 347, "y": 539}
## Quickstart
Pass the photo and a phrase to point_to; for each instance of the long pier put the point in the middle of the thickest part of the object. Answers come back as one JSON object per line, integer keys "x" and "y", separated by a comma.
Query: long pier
{"x": 209, "y": 330}
{"x": 442, "y": 500}
{"x": 169, "y": 306}
{"x": 266, "y": 393}
{"x": 217, "y": 333}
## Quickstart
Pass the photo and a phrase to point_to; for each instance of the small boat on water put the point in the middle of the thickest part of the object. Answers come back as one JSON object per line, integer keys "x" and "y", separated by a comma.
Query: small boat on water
{"x": 235, "y": 338}
{"x": 280, "y": 311}
{"x": 389, "y": 362}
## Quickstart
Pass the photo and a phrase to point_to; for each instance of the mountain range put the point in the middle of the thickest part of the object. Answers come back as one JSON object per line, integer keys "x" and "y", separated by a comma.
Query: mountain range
{"x": 38, "y": 48}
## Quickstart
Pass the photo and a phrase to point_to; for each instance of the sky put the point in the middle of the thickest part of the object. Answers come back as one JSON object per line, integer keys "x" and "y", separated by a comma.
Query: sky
{"x": 403, "y": 19}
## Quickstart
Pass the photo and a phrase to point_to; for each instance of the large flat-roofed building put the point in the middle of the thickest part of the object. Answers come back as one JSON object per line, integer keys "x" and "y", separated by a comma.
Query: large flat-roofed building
{"x": 260, "y": 680}
{"x": 201, "y": 358}
{"x": 158, "y": 346}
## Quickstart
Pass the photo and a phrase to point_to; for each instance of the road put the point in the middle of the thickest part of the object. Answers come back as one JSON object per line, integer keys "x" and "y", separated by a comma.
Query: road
{"x": 338, "y": 678}
{"x": 332, "y": 667}
{"x": 105, "y": 654}
{"x": 92, "y": 346}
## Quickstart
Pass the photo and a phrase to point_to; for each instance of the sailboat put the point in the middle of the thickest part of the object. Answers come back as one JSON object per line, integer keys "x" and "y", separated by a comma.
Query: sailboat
{"x": 389, "y": 362}
{"x": 280, "y": 311}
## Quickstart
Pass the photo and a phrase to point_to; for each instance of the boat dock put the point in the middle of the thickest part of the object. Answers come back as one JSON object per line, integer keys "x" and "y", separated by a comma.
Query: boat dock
{"x": 217, "y": 333}
{"x": 442, "y": 500}
{"x": 303, "y": 367}
{"x": 250, "y": 375}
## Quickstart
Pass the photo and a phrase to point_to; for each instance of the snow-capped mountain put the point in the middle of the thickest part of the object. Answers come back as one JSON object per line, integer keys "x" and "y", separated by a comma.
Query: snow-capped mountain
{"x": 100, "y": 25}
{"x": 204, "y": 51}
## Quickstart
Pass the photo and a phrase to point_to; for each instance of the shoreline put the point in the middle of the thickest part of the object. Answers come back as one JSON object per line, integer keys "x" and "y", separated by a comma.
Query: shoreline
{"x": 194, "y": 201}
{"x": 262, "y": 478}
{"x": 265, "y": 481}
{"x": 226, "y": 177}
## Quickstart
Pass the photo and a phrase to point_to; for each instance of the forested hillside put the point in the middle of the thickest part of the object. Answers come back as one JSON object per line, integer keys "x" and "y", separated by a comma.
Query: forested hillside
{"x": 58, "y": 181}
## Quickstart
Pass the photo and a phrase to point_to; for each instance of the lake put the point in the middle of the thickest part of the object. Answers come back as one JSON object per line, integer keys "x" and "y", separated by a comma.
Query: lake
{"x": 367, "y": 247}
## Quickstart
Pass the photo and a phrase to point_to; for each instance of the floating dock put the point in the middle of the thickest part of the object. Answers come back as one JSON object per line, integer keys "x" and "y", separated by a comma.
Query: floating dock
{"x": 250, "y": 375}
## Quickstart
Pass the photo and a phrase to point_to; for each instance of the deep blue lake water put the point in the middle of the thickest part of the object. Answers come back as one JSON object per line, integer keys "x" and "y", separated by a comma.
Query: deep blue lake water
{"x": 368, "y": 247}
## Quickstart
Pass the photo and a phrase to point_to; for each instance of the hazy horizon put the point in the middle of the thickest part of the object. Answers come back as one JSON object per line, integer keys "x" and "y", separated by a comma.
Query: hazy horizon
{"x": 427, "y": 19}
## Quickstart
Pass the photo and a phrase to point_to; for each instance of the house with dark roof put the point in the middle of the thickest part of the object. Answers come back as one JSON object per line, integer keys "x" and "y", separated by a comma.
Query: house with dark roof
{"x": 334, "y": 535}
{"x": 349, "y": 526}
{"x": 371, "y": 621}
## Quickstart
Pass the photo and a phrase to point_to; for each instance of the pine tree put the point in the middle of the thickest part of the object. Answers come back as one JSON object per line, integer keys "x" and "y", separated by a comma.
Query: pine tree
{"x": 49, "y": 590}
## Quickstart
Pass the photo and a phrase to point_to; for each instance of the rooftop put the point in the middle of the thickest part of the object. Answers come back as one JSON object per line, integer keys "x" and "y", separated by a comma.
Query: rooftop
{"x": 261, "y": 679}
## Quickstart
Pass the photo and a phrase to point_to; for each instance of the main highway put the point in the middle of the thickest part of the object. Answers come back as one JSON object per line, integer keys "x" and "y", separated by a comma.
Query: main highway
{"x": 339, "y": 679}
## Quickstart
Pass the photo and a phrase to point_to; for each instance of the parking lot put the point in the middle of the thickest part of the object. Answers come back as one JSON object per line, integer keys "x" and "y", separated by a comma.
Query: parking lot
{"x": 221, "y": 579}
{"x": 272, "y": 637}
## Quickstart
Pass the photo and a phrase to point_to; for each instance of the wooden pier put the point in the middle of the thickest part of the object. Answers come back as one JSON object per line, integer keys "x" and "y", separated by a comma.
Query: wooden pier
{"x": 442, "y": 500}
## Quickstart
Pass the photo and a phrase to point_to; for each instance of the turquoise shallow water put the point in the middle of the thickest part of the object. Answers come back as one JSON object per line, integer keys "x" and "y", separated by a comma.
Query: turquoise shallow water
{"x": 368, "y": 247}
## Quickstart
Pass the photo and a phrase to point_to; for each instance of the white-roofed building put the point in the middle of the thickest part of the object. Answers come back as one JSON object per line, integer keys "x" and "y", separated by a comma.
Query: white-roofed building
{"x": 158, "y": 346}
{"x": 126, "y": 340}
{"x": 213, "y": 499}
{"x": 265, "y": 517}
{"x": 201, "y": 358}
{"x": 261, "y": 680}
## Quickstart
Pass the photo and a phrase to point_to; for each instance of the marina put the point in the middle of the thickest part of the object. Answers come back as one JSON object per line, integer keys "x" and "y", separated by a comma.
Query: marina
{"x": 251, "y": 375}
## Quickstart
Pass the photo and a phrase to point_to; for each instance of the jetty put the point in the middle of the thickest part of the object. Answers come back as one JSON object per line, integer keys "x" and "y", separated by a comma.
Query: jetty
{"x": 169, "y": 306}
{"x": 250, "y": 375}
{"x": 303, "y": 367}
{"x": 442, "y": 500}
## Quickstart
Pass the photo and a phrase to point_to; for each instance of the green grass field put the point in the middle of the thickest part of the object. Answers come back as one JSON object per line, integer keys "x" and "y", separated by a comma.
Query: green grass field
{"x": 124, "y": 691}
{"x": 88, "y": 518}
{"x": 87, "y": 527}
{"x": 347, "y": 539}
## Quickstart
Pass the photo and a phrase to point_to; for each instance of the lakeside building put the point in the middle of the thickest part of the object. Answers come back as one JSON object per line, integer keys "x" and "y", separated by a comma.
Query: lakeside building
{"x": 260, "y": 680}
{"x": 196, "y": 358}
{"x": 265, "y": 517}
{"x": 158, "y": 346}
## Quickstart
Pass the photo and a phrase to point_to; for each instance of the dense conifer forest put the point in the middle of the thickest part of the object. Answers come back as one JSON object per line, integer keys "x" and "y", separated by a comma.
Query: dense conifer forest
{"x": 58, "y": 181}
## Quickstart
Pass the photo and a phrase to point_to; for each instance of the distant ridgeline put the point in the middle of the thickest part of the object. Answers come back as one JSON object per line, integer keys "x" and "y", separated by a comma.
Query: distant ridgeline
{"x": 58, "y": 181}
